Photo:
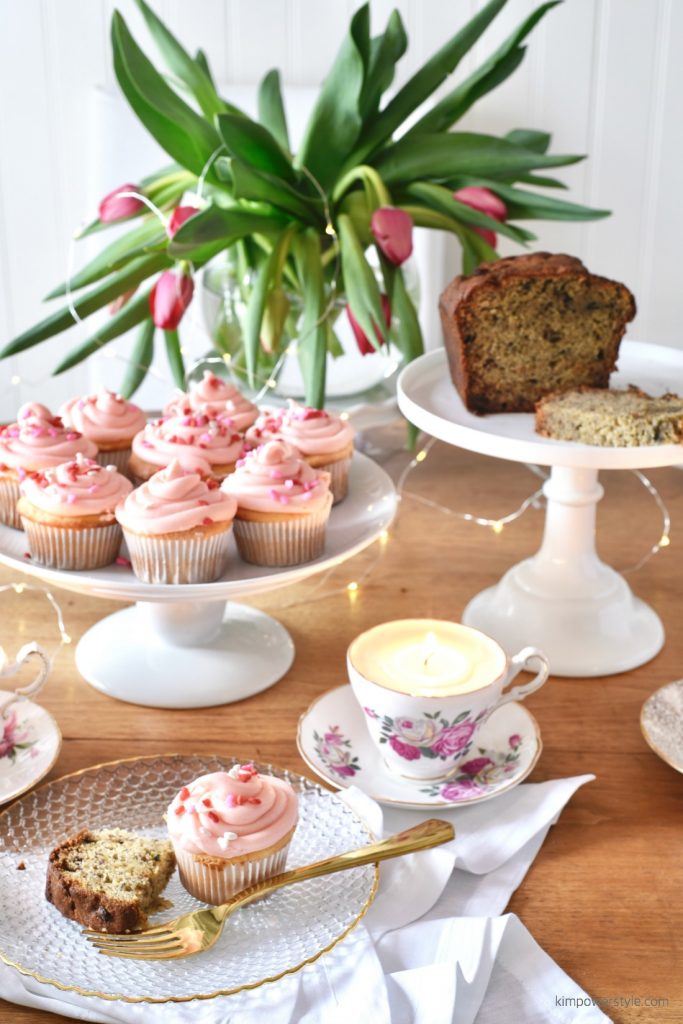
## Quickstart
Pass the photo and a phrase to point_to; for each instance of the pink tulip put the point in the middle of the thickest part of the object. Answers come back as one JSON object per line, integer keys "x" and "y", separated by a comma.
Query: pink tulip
{"x": 365, "y": 346}
{"x": 114, "y": 206}
{"x": 178, "y": 218}
{"x": 487, "y": 202}
{"x": 170, "y": 297}
{"x": 393, "y": 231}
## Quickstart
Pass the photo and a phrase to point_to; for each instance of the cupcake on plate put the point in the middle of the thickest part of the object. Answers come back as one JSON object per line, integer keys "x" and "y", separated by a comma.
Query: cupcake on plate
{"x": 204, "y": 444}
{"x": 214, "y": 396}
{"x": 177, "y": 527}
{"x": 110, "y": 421}
{"x": 68, "y": 514}
{"x": 324, "y": 440}
{"x": 230, "y": 830}
{"x": 283, "y": 505}
{"x": 37, "y": 441}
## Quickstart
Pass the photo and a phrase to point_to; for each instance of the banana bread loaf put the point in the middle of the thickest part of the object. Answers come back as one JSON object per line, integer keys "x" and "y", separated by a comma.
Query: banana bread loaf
{"x": 522, "y": 327}
{"x": 109, "y": 880}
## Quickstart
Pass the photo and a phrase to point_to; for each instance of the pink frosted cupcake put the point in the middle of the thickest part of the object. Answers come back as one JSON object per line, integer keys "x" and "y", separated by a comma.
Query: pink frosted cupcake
{"x": 324, "y": 440}
{"x": 283, "y": 505}
{"x": 177, "y": 527}
{"x": 108, "y": 420}
{"x": 37, "y": 441}
{"x": 214, "y": 396}
{"x": 68, "y": 514}
{"x": 230, "y": 830}
{"x": 205, "y": 444}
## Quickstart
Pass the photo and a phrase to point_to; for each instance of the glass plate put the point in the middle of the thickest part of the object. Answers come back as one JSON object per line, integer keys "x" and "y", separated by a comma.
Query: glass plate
{"x": 262, "y": 942}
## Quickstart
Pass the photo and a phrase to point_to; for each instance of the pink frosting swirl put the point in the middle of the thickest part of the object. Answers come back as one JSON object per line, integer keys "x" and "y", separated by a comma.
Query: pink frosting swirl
{"x": 175, "y": 500}
{"x": 39, "y": 440}
{"x": 314, "y": 431}
{"x": 78, "y": 488}
{"x": 199, "y": 442}
{"x": 265, "y": 428}
{"x": 274, "y": 478}
{"x": 214, "y": 396}
{"x": 104, "y": 417}
{"x": 229, "y": 814}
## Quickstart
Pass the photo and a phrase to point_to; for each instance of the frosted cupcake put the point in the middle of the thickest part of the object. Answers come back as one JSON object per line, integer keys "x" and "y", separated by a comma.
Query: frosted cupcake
{"x": 108, "y": 420}
{"x": 177, "y": 527}
{"x": 324, "y": 440}
{"x": 283, "y": 505}
{"x": 204, "y": 444}
{"x": 37, "y": 441}
{"x": 230, "y": 830}
{"x": 68, "y": 514}
{"x": 214, "y": 396}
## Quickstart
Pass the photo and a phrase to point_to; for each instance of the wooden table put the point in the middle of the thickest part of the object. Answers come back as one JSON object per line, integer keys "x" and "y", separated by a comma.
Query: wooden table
{"x": 603, "y": 896}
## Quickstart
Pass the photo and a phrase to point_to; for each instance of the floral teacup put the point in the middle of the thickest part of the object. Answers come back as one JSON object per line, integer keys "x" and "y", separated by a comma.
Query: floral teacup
{"x": 9, "y": 668}
{"x": 428, "y": 737}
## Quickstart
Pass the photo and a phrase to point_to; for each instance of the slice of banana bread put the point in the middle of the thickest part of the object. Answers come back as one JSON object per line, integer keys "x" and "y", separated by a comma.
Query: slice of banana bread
{"x": 109, "y": 880}
{"x": 618, "y": 419}
{"x": 517, "y": 329}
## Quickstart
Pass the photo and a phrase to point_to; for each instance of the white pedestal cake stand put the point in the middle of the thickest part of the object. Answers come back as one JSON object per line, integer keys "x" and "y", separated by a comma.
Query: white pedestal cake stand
{"x": 180, "y": 646}
{"x": 564, "y": 599}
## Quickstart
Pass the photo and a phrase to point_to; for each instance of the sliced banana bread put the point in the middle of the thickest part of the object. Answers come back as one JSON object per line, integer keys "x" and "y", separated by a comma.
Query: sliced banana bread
{"x": 109, "y": 880}
{"x": 618, "y": 419}
{"x": 517, "y": 329}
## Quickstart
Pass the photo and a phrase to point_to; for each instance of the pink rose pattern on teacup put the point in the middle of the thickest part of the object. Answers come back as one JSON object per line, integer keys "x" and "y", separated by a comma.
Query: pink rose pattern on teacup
{"x": 334, "y": 751}
{"x": 479, "y": 775}
{"x": 428, "y": 736}
{"x": 13, "y": 738}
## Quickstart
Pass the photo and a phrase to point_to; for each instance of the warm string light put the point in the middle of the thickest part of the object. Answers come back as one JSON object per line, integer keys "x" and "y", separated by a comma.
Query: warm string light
{"x": 20, "y": 588}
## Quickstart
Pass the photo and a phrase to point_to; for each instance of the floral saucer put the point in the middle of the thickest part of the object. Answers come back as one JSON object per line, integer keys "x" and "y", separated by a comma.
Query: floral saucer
{"x": 30, "y": 742}
{"x": 333, "y": 740}
{"x": 661, "y": 722}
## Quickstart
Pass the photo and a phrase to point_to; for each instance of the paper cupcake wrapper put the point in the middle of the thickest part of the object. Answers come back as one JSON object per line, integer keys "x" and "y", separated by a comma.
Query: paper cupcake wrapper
{"x": 339, "y": 482}
{"x": 58, "y": 547}
{"x": 216, "y": 885}
{"x": 194, "y": 558}
{"x": 118, "y": 458}
{"x": 9, "y": 496}
{"x": 289, "y": 542}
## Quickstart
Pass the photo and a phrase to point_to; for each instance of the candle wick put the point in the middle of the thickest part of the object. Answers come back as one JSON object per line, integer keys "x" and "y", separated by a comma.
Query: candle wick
{"x": 425, "y": 663}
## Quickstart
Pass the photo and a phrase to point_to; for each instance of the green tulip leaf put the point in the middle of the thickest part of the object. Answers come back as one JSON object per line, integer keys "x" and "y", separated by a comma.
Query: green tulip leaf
{"x": 104, "y": 293}
{"x": 266, "y": 188}
{"x": 216, "y": 225}
{"x": 407, "y": 334}
{"x": 385, "y": 52}
{"x": 175, "y": 358}
{"x": 539, "y": 142}
{"x": 312, "y": 339}
{"x": 360, "y": 284}
{"x": 140, "y": 359}
{"x": 271, "y": 109}
{"x": 269, "y": 268}
{"x": 183, "y": 133}
{"x": 191, "y": 72}
{"x": 253, "y": 145}
{"x": 439, "y": 198}
{"x": 444, "y": 156}
{"x": 524, "y": 205}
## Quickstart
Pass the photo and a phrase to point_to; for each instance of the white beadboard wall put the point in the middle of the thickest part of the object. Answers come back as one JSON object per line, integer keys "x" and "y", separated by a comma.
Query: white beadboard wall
{"x": 602, "y": 75}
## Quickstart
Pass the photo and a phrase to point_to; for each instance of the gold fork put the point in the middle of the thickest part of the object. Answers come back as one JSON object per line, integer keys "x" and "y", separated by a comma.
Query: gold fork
{"x": 199, "y": 930}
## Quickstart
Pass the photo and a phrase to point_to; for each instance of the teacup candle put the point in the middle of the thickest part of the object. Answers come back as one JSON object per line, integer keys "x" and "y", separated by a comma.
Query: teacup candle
{"x": 426, "y": 686}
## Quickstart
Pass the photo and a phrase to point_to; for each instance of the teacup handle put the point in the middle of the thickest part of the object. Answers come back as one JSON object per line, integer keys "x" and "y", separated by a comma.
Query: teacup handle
{"x": 518, "y": 663}
{"x": 27, "y": 651}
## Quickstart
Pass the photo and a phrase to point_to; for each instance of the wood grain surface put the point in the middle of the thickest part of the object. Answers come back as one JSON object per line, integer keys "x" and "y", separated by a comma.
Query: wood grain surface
{"x": 603, "y": 896}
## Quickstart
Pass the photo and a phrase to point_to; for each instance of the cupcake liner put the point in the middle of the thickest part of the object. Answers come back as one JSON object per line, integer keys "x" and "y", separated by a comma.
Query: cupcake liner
{"x": 193, "y": 558}
{"x": 288, "y": 542}
{"x": 117, "y": 457}
{"x": 216, "y": 884}
{"x": 9, "y": 496}
{"x": 59, "y": 547}
{"x": 339, "y": 474}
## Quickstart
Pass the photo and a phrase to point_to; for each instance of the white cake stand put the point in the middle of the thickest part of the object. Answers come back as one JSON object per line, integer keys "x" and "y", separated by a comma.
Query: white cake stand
{"x": 564, "y": 599}
{"x": 180, "y": 646}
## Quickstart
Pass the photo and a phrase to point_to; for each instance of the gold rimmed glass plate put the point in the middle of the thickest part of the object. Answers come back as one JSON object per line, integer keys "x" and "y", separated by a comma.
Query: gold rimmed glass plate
{"x": 262, "y": 942}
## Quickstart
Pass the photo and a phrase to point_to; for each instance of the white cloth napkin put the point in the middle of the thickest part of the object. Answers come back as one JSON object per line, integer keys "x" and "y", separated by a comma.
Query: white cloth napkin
{"x": 431, "y": 950}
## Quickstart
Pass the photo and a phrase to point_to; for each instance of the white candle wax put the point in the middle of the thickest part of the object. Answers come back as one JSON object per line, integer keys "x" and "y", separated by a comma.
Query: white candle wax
{"x": 427, "y": 657}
